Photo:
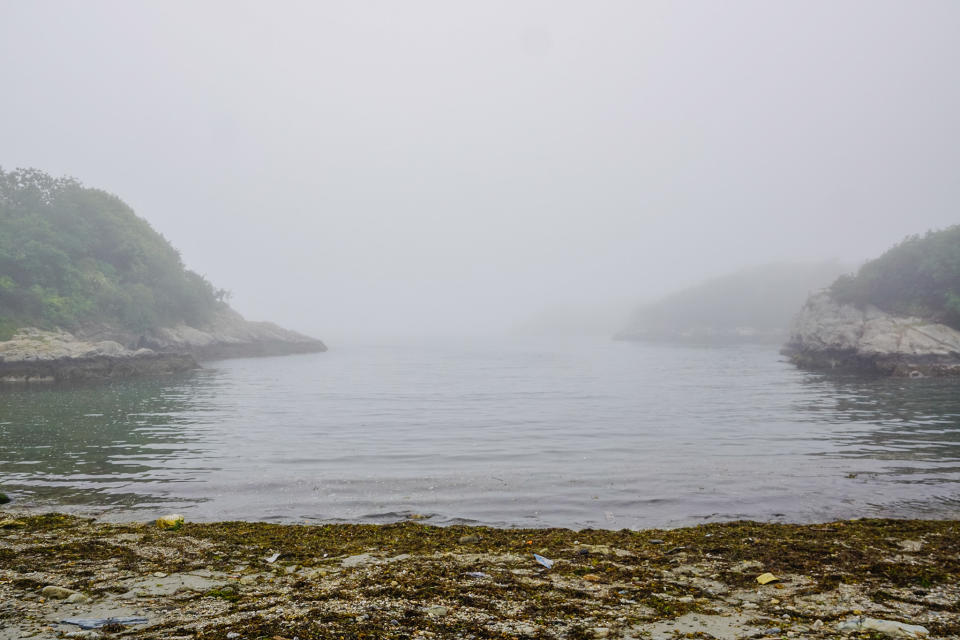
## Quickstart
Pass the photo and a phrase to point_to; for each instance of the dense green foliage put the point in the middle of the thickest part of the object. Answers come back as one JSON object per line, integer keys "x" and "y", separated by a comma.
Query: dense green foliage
{"x": 70, "y": 255}
{"x": 918, "y": 277}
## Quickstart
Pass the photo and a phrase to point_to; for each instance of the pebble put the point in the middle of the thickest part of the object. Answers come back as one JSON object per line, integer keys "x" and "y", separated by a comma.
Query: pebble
{"x": 436, "y": 611}
{"x": 88, "y": 634}
{"x": 78, "y": 598}
{"x": 232, "y": 635}
{"x": 601, "y": 632}
{"x": 771, "y": 631}
{"x": 470, "y": 539}
{"x": 817, "y": 624}
{"x": 59, "y": 593}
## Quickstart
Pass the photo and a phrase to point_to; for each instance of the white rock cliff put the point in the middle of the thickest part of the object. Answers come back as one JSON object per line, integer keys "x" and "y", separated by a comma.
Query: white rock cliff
{"x": 827, "y": 334}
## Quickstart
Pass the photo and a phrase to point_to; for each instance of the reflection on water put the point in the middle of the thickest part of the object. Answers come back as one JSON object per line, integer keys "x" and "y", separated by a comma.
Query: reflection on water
{"x": 95, "y": 443}
{"x": 533, "y": 434}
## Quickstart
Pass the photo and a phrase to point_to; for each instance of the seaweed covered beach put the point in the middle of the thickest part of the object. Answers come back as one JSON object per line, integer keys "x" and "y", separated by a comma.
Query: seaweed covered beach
{"x": 247, "y": 580}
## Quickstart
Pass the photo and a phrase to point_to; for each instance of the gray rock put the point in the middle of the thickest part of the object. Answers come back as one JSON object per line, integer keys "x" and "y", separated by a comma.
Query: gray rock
{"x": 358, "y": 561}
{"x": 78, "y": 598}
{"x": 827, "y": 334}
{"x": 57, "y": 593}
{"x": 33, "y": 355}
{"x": 890, "y": 628}
{"x": 436, "y": 611}
{"x": 230, "y": 335}
{"x": 469, "y": 539}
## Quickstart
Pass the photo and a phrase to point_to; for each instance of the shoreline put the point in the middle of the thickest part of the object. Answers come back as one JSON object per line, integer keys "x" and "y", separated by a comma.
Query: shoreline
{"x": 220, "y": 580}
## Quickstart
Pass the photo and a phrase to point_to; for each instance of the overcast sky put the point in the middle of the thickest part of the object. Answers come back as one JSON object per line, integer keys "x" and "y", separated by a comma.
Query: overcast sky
{"x": 393, "y": 167}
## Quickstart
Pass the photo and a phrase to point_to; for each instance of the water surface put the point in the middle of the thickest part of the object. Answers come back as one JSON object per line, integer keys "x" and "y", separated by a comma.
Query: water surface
{"x": 585, "y": 433}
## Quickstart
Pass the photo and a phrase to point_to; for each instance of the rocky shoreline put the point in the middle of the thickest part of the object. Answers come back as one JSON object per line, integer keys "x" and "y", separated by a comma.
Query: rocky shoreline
{"x": 239, "y": 580}
{"x": 104, "y": 353}
{"x": 35, "y": 356}
{"x": 830, "y": 335}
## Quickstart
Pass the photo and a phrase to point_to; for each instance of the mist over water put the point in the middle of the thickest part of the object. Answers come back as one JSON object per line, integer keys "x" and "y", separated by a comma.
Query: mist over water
{"x": 580, "y": 433}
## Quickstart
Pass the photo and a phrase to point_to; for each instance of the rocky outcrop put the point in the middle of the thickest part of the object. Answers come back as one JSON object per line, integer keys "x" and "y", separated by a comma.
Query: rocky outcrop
{"x": 33, "y": 355}
{"x": 103, "y": 352}
{"x": 830, "y": 335}
{"x": 229, "y": 335}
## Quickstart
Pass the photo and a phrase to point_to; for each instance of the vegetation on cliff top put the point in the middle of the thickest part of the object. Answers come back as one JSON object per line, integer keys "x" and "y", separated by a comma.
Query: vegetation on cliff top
{"x": 918, "y": 277}
{"x": 71, "y": 255}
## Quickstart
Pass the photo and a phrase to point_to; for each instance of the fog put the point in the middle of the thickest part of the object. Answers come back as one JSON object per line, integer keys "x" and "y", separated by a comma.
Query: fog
{"x": 384, "y": 168}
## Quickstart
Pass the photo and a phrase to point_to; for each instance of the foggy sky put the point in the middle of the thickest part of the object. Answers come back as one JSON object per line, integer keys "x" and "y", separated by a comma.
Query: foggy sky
{"x": 414, "y": 167}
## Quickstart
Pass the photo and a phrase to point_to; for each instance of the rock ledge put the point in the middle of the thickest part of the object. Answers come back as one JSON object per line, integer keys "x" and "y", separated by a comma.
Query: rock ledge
{"x": 830, "y": 335}
{"x": 33, "y": 355}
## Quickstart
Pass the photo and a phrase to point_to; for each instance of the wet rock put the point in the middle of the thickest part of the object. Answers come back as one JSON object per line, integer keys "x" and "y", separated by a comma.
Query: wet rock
{"x": 358, "y": 561}
{"x": 56, "y": 593}
{"x": 890, "y": 628}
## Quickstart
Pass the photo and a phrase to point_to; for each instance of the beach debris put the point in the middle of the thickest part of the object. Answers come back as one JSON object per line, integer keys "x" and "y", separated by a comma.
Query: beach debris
{"x": 170, "y": 521}
{"x": 478, "y": 574}
{"x": 890, "y": 628}
{"x": 56, "y": 593}
{"x": 544, "y": 561}
{"x": 96, "y": 623}
{"x": 767, "y": 578}
{"x": 10, "y": 523}
{"x": 911, "y": 546}
{"x": 273, "y": 558}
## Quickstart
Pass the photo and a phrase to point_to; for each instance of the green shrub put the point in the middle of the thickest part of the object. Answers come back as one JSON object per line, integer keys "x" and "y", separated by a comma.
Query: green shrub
{"x": 918, "y": 277}
{"x": 70, "y": 255}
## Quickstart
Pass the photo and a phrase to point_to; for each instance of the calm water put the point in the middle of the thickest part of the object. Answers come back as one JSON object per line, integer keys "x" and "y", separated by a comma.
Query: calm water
{"x": 588, "y": 433}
